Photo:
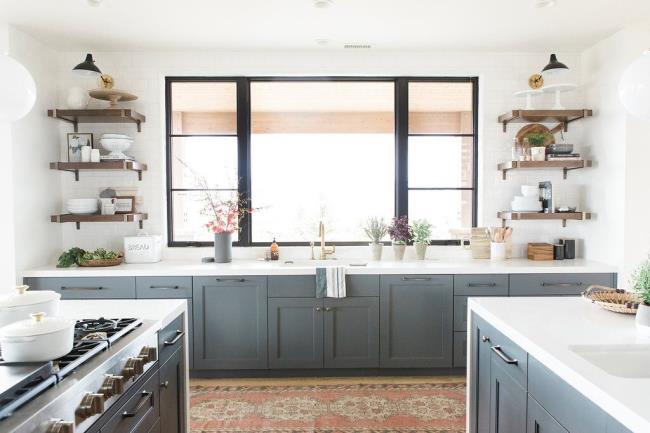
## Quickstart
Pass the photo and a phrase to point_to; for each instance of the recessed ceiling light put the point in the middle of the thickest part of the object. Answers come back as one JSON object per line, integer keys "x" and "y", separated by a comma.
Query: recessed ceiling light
{"x": 323, "y": 4}
{"x": 545, "y": 3}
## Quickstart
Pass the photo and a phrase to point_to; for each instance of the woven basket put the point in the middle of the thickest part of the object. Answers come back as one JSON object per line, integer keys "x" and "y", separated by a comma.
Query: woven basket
{"x": 100, "y": 263}
{"x": 616, "y": 300}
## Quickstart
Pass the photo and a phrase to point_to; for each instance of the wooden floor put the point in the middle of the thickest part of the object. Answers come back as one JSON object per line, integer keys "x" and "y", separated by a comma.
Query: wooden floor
{"x": 328, "y": 380}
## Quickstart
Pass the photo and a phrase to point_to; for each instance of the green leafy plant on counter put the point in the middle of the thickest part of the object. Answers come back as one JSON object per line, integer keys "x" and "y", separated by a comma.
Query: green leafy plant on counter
{"x": 75, "y": 256}
{"x": 641, "y": 281}
{"x": 422, "y": 231}
{"x": 375, "y": 229}
{"x": 537, "y": 139}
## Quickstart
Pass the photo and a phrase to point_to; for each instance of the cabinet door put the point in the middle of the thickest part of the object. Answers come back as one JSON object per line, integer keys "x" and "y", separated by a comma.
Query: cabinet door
{"x": 416, "y": 318}
{"x": 352, "y": 333}
{"x": 479, "y": 369}
{"x": 295, "y": 333}
{"x": 172, "y": 393}
{"x": 230, "y": 323}
{"x": 507, "y": 401}
{"x": 540, "y": 421}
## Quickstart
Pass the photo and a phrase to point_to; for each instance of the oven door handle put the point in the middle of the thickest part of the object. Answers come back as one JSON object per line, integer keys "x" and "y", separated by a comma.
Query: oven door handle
{"x": 142, "y": 403}
{"x": 179, "y": 335}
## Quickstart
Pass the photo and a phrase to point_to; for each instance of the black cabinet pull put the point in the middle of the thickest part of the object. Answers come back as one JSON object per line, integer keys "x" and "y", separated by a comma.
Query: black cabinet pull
{"x": 481, "y": 284}
{"x": 497, "y": 349}
{"x": 416, "y": 278}
{"x": 231, "y": 280}
{"x": 179, "y": 335}
{"x": 164, "y": 287}
{"x": 82, "y": 288}
{"x": 544, "y": 284}
{"x": 144, "y": 399}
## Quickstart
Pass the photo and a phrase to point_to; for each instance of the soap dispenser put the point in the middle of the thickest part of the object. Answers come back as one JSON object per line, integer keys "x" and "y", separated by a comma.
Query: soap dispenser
{"x": 275, "y": 251}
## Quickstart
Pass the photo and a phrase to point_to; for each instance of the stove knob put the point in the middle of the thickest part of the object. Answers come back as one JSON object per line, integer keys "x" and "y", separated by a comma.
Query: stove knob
{"x": 133, "y": 367}
{"x": 112, "y": 385}
{"x": 148, "y": 354}
{"x": 91, "y": 404}
{"x": 60, "y": 426}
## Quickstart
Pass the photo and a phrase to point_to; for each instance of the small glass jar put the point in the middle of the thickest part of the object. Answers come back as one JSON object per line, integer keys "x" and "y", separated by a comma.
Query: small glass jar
{"x": 517, "y": 150}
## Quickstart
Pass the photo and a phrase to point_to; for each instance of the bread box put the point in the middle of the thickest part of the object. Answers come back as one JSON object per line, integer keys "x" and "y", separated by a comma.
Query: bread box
{"x": 143, "y": 249}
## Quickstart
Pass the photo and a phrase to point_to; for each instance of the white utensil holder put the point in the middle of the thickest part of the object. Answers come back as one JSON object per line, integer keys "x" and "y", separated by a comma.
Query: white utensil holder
{"x": 498, "y": 250}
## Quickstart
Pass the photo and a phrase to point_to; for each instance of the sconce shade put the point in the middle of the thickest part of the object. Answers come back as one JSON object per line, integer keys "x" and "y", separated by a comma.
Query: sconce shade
{"x": 17, "y": 90}
{"x": 554, "y": 67}
{"x": 634, "y": 87}
{"x": 87, "y": 67}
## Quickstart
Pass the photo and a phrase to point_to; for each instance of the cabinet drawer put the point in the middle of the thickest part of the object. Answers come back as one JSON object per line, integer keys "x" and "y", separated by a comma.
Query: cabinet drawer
{"x": 163, "y": 287}
{"x": 540, "y": 421}
{"x": 512, "y": 358}
{"x": 170, "y": 338}
{"x": 460, "y": 349}
{"x": 304, "y": 286}
{"x": 481, "y": 285}
{"x": 140, "y": 412}
{"x": 555, "y": 284}
{"x": 87, "y": 287}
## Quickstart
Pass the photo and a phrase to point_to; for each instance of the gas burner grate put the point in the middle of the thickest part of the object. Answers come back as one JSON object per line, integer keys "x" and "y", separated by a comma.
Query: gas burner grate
{"x": 103, "y": 328}
{"x": 81, "y": 352}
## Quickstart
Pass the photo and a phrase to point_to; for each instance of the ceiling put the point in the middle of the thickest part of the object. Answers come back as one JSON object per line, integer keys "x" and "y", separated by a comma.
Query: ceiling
{"x": 495, "y": 25}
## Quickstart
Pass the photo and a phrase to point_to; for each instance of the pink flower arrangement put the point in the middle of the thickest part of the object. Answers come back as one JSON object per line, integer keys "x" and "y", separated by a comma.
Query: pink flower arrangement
{"x": 226, "y": 215}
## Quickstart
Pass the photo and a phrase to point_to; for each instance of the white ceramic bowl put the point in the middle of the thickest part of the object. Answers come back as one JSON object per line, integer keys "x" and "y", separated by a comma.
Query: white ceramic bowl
{"x": 123, "y": 136}
{"x": 116, "y": 145}
{"x": 529, "y": 190}
{"x": 82, "y": 206}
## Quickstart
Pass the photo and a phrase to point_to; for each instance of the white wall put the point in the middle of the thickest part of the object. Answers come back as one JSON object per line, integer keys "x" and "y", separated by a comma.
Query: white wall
{"x": 35, "y": 145}
{"x": 500, "y": 75}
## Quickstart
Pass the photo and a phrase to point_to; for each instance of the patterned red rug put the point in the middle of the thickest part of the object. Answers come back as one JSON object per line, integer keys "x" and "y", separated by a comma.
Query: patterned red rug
{"x": 436, "y": 407}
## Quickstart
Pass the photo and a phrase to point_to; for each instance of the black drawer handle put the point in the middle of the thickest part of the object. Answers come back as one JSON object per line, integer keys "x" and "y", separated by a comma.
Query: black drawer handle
{"x": 231, "y": 280}
{"x": 416, "y": 278}
{"x": 481, "y": 284}
{"x": 179, "y": 335}
{"x": 164, "y": 287}
{"x": 561, "y": 284}
{"x": 497, "y": 349}
{"x": 144, "y": 399}
{"x": 82, "y": 288}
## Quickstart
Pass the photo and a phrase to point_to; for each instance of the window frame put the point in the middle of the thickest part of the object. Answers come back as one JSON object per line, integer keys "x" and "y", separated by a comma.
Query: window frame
{"x": 401, "y": 86}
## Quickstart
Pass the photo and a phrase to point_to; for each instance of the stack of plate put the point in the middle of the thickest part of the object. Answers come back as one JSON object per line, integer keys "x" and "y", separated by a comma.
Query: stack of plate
{"x": 529, "y": 201}
{"x": 82, "y": 206}
{"x": 115, "y": 144}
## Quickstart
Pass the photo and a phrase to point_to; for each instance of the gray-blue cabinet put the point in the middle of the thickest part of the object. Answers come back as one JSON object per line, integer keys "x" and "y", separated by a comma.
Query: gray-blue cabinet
{"x": 230, "y": 322}
{"x": 86, "y": 287}
{"x": 416, "y": 321}
{"x": 556, "y": 284}
{"x": 507, "y": 399}
{"x": 540, "y": 421}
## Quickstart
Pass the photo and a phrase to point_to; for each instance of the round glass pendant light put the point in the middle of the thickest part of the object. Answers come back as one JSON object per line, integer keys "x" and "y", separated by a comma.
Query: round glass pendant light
{"x": 634, "y": 87}
{"x": 17, "y": 90}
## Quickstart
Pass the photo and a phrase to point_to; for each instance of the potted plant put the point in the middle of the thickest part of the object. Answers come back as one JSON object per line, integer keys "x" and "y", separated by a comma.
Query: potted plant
{"x": 400, "y": 233}
{"x": 421, "y": 236}
{"x": 641, "y": 284}
{"x": 376, "y": 229}
{"x": 537, "y": 141}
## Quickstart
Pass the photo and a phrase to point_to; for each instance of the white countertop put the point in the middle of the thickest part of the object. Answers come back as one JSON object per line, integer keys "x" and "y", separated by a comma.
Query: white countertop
{"x": 305, "y": 267}
{"x": 546, "y": 327}
{"x": 161, "y": 311}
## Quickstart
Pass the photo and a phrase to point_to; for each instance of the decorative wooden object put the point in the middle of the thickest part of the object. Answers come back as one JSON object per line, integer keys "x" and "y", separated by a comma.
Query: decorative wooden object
{"x": 97, "y": 218}
{"x": 114, "y": 115}
{"x": 562, "y": 216}
{"x": 566, "y": 166}
{"x": 76, "y": 167}
{"x": 540, "y": 251}
{"x": 563, "y": 117}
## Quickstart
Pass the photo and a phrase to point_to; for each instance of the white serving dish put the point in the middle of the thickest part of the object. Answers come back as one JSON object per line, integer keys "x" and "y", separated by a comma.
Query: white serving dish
{"x": 116, "y": 146}
{"x": 37, "y": 339}
{"x": 116, "y": 136}
{"x": 143, "y": 249}
{"x": 19, "y": 305}
{"x": 525, "y": 207}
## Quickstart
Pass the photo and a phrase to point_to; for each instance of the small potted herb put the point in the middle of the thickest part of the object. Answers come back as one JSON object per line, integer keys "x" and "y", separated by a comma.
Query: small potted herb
{"x": 400, "y": 233}
{"x": 376, "y": 229}
{"x": 641, "y": 284}
{"x": 421, "y": 236}
{"x": 537, "y": 141}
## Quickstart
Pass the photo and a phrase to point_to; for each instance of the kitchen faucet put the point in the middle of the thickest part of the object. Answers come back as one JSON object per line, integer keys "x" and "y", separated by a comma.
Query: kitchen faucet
{"x": 324, "y": 250}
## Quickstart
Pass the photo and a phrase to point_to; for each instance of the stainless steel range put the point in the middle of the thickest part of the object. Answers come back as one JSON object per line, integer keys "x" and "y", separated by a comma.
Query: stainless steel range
{"x": 71, "y": 394}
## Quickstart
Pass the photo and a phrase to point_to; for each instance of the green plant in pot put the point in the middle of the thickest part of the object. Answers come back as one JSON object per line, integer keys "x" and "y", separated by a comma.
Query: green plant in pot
{"x": 401, "y": 234}
{"x": 376, "y": 230}
{"x": 537, "y": 142}
{"x": 641, "y": 285}
{"x": 422, "y": 230}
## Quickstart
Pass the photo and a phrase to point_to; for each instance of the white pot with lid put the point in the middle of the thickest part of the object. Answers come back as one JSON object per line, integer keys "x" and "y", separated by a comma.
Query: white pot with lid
{"x": 19, "y": 305}
{"x": 37, "y": 339}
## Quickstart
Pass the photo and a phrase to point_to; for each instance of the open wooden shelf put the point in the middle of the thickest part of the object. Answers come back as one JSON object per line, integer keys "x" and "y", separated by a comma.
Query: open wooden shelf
{"x": 97, "y": 218}
{"x": 566, "y": 166}
{"x": 537, "y": 216}
{"x": 76, "y": 167}
{"x": 563, "y": 117}
{"x": 109, "y": 115}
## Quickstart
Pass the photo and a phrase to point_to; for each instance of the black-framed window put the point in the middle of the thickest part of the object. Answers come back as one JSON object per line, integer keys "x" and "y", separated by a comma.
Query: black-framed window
{"x": 339, "y": 149}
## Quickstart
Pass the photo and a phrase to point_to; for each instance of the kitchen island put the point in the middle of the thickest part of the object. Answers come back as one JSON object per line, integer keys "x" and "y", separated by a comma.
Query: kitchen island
{"x": 555, "y": 365}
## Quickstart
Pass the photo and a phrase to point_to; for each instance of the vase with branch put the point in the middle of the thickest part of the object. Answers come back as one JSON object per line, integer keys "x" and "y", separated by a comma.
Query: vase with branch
{"x": 400, "y": 234}
{"x": 376, "y": 230}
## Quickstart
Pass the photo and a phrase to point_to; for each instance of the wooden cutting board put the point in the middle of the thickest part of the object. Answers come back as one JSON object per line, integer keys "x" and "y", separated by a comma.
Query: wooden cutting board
{"x": 540, "y": 251}
{"x": 534, "y": 127}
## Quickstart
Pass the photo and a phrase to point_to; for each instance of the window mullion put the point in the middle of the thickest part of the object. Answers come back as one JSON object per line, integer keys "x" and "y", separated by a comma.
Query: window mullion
{"x": 244, "y": 155}
{"x": 401, "y": 146}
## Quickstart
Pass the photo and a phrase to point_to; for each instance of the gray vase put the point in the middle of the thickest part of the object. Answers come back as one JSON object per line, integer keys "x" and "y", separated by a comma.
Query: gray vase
{"x": 223, "y": 247}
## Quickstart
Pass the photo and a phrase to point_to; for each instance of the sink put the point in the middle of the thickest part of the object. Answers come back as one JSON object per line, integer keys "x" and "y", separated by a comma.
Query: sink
{"x": 621, "y": 360}
{"x": 323, "y": 263}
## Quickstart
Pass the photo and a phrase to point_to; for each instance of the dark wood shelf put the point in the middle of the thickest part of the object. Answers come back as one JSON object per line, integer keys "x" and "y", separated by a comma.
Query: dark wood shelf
{"x": 566, "y": 166}
{"x": 97, "y": 218}
{"x": 76, "y": 167}
{"x": 563, "y": 117}
{"x": 537, "y": 216}
{"x": 109, "y": 115}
